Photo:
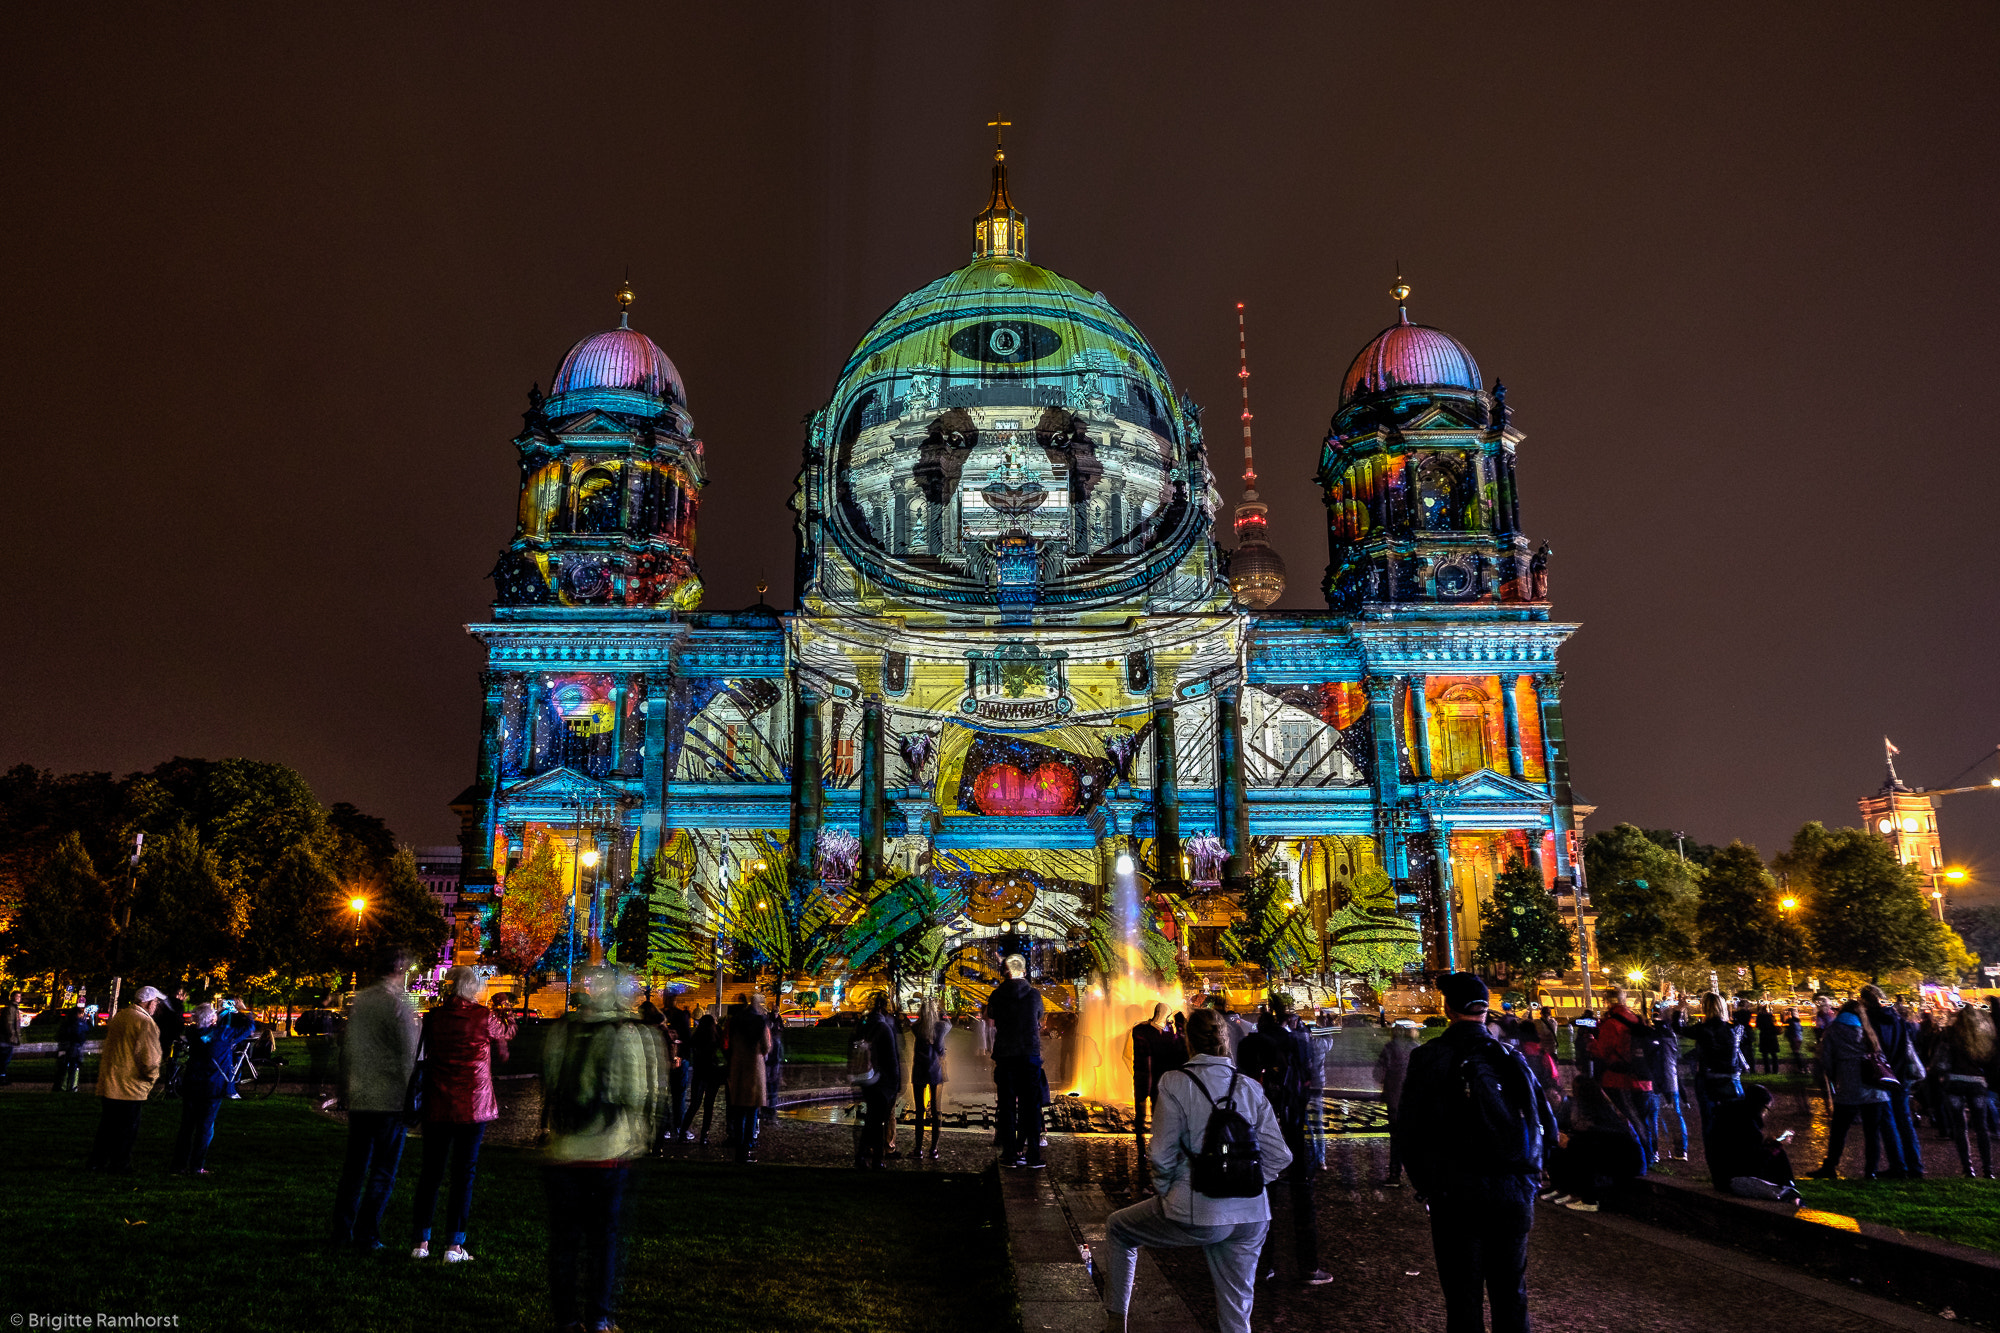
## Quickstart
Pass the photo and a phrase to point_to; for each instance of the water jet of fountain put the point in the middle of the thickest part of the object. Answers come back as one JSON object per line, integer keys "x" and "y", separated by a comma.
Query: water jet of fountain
{"x": 1114, "y": 1003}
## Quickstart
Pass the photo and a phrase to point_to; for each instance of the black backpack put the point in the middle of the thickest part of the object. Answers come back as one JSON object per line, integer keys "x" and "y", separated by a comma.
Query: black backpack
{"x": 1229, "y": 1165}
{"x": 1497, "y": 1125}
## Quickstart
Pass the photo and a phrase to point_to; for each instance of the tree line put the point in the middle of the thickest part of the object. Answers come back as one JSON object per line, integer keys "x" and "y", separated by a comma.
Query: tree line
{"x": 243, "y": 880}
{"x": 1836, "y": 905}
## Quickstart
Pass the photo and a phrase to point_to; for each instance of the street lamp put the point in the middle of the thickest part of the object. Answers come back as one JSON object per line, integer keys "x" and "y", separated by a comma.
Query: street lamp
{"x": 1790, "y": 905}
{"x": 357, "y": 906}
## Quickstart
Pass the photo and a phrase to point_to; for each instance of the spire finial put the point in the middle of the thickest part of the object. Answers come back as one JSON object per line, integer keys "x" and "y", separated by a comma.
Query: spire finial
{"x": 626, "y": 296}
{"x": 1400, "y": 293}
{"x": 1001, "y": 232}
{"x": 999, "y": 128}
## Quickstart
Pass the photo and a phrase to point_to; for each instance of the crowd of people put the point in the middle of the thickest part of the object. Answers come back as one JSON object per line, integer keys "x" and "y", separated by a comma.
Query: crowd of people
{"x": 1228, "y": 1111}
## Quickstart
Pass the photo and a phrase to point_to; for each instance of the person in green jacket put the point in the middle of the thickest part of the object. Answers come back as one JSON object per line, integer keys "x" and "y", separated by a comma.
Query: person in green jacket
{"x": 602, "y": 1081}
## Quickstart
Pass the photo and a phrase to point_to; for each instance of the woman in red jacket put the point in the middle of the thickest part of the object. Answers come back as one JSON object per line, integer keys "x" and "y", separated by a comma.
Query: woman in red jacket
{"x": 462, "y": 1041}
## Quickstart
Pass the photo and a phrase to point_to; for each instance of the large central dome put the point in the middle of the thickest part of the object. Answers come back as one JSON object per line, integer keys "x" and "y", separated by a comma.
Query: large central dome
{"x": 1004, "y": 438}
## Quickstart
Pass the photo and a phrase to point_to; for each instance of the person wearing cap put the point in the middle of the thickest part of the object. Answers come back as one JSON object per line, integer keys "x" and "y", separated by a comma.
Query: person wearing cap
{"x": 127, "y": 1064}
{"x": 1481, "y": 1195}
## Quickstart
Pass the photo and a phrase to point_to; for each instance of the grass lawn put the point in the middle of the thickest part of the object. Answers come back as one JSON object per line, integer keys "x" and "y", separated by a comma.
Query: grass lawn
{"x": 709, "y": 1246}
{"x": 1949, "y": 1207}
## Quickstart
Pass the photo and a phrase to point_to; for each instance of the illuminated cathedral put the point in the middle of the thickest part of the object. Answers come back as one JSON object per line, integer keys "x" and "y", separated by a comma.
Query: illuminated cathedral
{"x": 1017, "y": 652}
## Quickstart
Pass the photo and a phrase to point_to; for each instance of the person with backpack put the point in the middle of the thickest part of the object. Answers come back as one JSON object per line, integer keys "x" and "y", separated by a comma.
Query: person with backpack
{"x": 1850, "y": 1060}
{"x": 1216, "y": 1146}
{"x": 1474, "y": 1132}
{"x": 1016, "y": 1010}
{"x": 602, "y": 1074}
{"x": 1280, "y": 1057}
{"x": 1623, "y": 1050}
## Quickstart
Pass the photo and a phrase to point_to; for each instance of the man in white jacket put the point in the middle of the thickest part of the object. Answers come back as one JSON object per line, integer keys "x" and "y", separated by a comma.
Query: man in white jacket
{"x": 1230, "y": 1231}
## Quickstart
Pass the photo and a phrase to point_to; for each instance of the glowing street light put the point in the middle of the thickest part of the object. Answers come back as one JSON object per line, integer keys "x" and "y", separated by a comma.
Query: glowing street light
{"x": 1124, "y": 863}
{"x": 1790, "y": 904}
{"x": 357, "y": 906}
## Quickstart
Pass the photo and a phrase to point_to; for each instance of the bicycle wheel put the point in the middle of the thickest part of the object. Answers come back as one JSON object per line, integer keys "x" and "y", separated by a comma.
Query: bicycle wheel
{"x": 264, "y": 1081}
{"x": 168, "y": 1084}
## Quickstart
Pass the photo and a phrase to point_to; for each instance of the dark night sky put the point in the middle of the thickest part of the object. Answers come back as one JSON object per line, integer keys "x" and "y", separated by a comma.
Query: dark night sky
{"x": 277, "y": 287}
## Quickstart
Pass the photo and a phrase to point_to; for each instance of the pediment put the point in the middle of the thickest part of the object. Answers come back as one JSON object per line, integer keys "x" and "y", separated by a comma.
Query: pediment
{"x": 595, "y": 423}
{"x": 564, "y": 786}
{"x": 1486, "y": 785}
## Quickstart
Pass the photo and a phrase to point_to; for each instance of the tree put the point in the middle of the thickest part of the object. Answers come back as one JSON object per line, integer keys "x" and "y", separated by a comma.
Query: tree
{"x": 1866, "y": 910}
{"x": 1701, "y": 855}
{"x": 294, "y": 933}
{"x": 1273, "y": 934}
{"x": 534, "y": 905}
{"x": 1644, "y": 897}
{"x": 1978, "y": 929}
{"x": 1520, "y": 926}
{"x": 186, "y": 918}
{"x": 62, "y": 919}
{"x": 787, "y": 925}
{"x": 1739, "y": 919}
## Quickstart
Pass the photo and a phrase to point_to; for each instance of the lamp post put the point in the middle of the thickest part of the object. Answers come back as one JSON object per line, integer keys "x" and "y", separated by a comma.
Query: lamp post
{"x": 1789, "y": 906}
{"x": 357, "y": 906}
{"x": 1954, "y": 876}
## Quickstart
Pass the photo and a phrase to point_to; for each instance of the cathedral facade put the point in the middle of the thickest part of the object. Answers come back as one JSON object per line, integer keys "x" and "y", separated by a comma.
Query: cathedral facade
{"x": 1018, "y": 662}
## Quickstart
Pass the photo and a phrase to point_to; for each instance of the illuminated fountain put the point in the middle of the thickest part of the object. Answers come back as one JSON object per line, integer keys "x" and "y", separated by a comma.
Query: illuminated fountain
{"x": 1101, "y": 1065}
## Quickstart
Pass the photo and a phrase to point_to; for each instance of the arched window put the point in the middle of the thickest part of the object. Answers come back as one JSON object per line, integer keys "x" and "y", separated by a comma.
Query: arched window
{"x": 1461, "y": 733}
{"x": 1440, "y": 494}
{"x": 597, "y": 502}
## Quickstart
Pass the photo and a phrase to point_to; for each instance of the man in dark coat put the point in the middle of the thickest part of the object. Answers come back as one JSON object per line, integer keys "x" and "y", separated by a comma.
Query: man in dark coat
{"x": 1016, "y": 1010}
{"x": 1475, "y": 1159}
{"x": 1280, "y": 1057}
{"x": 1146, "y": 1037}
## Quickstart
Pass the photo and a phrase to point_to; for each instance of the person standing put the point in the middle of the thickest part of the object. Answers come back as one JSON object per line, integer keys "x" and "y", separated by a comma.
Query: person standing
{"x": 1843, "y": 1062}
{"x": 1719, "y": 1061}
{"x": 71, "y": 1032}
{"x": 1145, "y": 1036}
{"x": 1898, "y": 1038}
{"x": 927, "y": 1071}
{"x": 1474, "y": 1133}
{"x": 878, "y": 1096}
{"x": 704, "y": 1077}
{"x": 678, "y": 1029}
{"x": 746, "y": 1043}
{"x": 10, "y": 1033}
{"x": 207, "y": 1080}
{"x": 1766, "y": 1024}
{"x": 602, "y": 1071}
{"x": 1016, "y": 1010}
{"x": 774, "y": 1067}
{"x": 380, "y": 1055}
{"x": 1967, "y": 1069}
{"x": 462, "y": 1040}
{"x": 1280, "y": 1058}
{"x": 1664, "y": 1057}
{"x": 1230, "y": 1230}
{"x": 1392, "y": 1067}
{"x": 1620, "y": 1050}
{"x": 127, "y": 1064}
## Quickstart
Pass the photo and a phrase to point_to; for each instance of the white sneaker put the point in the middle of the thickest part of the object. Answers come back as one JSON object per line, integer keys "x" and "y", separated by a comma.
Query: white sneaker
{"x": 1577, "y": 1204}
{"x": 457, "y": 1255}
{"x": 422, "y": 1251}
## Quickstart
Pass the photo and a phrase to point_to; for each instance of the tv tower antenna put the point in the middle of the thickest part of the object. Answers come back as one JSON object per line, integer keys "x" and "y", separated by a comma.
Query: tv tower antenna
{"x": 1243, "y": 375}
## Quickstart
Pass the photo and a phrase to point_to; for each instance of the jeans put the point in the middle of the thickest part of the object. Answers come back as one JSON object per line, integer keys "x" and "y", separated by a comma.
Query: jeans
{"x": 585, "y": 1205}
{"x": 1670, "y": 1117}
{"x": 196, "y": 1133}
{"x": 1900, "y": 1130}
{"x": 1483, "y": 1249}
{"x": 117, "y": 1134}
{"x": 457, "y": 1145}
{"x": 1018, "y": 1079}
{"x": 1231, "y": 1252}
{"x": 374, "y": 1147}
{"x": 876, "y": 1102}
{"x": 743, "y": 1130}
{"x": 69, "y": 1071}
{"x": 703, "y": 1097}
{"x": 933, "y": 1095}
{"x": 6, "y": 1061}
{"x": 1844, "y": 1116}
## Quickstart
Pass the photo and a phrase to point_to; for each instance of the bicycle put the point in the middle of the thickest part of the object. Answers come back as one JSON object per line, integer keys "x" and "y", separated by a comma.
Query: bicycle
{"x": 263, "y": 1080}
{"x": 168, "y": 1084}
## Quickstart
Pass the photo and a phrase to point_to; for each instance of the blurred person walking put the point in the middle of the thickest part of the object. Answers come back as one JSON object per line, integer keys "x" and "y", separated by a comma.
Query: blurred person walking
{"x": 602, "y": 1071}
{"x": 380, "y": 1054}
{"x": 774, "y": 1068}
{"x": 127, "y": 1064}
{"x": 1595, "y": 1149}
{"x": 461, "y": 1042}
{"x": 746, "y": 1042}
{"x": 1189, "y": 1207}
{"x": 1623, "y": 1049}
{"x": 1670, "y": 1125}
{"x": 927, "y": 1071}
{"x": 1475, "y": 1132}
{"x": 1392, "y": 1069}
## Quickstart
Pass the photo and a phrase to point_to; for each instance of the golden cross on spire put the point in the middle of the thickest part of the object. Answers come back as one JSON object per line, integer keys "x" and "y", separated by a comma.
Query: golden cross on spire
{"x": 999, "y": 128}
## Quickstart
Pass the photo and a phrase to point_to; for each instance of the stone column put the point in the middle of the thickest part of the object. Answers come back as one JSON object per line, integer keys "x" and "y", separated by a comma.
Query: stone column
{"x": 653, "y": 775}
{"x": 1420, "y": 722}
{"x": 530, "y": 718}
{"x": 1555, "y": 754}
{"x": 493, "y": 718}
{"x": 1235, "y": 802}
{"x": 1166, "y": 796}
{"x": 806, "y": 794}
{"x": 1387, "y": 767}
{"x": 872, "y": 821}
{"x": 619, "y": 690}
{"x": 1510, "y": 685}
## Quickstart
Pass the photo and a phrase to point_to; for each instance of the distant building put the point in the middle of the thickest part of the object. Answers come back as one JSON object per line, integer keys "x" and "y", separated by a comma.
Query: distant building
{"x": 440, "y": 868}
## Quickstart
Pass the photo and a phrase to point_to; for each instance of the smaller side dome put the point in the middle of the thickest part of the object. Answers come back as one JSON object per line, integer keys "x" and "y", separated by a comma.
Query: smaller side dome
{"x": 620, "y": 358}
{"x": 1410, "y": 356}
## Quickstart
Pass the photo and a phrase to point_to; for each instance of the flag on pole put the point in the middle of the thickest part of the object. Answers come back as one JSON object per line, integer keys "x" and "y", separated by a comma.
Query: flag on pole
{"x": 1891, "y": 749}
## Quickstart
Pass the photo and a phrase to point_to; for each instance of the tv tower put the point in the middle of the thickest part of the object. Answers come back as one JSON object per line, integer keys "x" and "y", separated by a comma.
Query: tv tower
{"x": 1256, "y": 573}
